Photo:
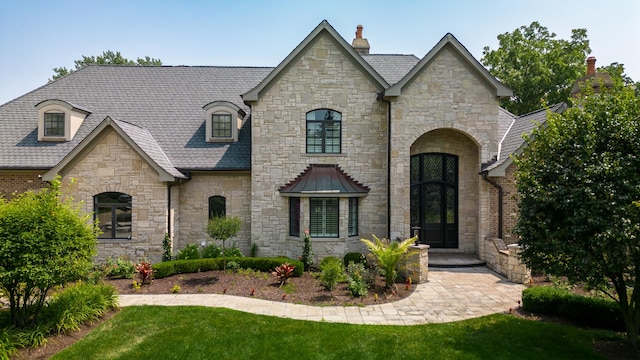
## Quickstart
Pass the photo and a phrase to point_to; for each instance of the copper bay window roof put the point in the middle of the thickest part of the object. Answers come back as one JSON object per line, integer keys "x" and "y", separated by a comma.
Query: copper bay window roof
{"x": 323, "y": 180}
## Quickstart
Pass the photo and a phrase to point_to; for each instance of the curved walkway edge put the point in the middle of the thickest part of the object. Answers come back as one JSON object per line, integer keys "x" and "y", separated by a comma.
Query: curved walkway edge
{"x": 449, "y": 295}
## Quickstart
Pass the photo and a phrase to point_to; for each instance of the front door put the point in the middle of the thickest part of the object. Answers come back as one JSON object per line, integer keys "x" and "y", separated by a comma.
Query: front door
{"x": 434, "y": 199}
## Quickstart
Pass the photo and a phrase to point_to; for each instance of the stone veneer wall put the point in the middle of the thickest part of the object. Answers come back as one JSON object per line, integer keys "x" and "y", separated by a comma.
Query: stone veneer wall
{"x": 18, "y": 181}
{"x": 192, "y": 214}
{"x": 509, "y": 206}
{"x": 322, "y": 77}
{"x": 445, "y": 95}
{"x": 504, "y": 260}
{"x": 112, "y": 165}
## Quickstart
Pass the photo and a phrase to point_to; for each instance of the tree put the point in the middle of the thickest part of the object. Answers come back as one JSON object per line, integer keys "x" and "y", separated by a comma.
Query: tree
{"x": 537, "y": 66}
{"x": 578, "y": 181}
{"x": 223, "y": 228}
{"x": 45, "y": 241}
{"x": 107, "y": 58}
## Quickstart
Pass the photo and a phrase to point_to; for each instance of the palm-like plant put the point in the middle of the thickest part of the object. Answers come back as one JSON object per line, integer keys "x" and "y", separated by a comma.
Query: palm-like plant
{"x": 388, "y": 255}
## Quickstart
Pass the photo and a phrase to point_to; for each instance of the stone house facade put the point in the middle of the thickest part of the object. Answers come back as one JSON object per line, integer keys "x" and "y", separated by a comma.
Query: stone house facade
{"x": 333, "y": 140}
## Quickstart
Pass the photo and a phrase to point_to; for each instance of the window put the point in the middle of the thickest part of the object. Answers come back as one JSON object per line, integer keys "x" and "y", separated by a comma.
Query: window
{"x": 54, "y": 124}
{"x": 353, "y": 216}
{"x": 324, "y": 217}
{"x": 294, "y": 216}
{"x": 113, "y": 212}
{"x": 217, "y": 207}
{"x": 221, "y": 126}
{"x": 223, "y": 121}
{"x": 324, "y": 132}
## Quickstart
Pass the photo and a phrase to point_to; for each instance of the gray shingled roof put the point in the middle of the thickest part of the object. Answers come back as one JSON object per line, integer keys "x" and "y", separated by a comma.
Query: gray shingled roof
{"x": 167, "y": 101}
{"x": 521, "y": 125}
{"x": 391, "y": 67}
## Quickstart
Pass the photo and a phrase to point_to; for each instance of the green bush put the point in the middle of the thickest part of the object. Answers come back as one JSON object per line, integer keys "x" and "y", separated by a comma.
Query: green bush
{"x": 233, "y": 266}
{"x": 233, "y": 252}
{"x": 357, "y": 279}
{"x": 587, "y": 310}
{"x": 211, "y": 251}
{"x": 189, "y": 252}
{"x": 169, "y": 268}
{"x": 120, "y": 268}
{"x": 355, "y": 257}
{"x": 331, "y": 272}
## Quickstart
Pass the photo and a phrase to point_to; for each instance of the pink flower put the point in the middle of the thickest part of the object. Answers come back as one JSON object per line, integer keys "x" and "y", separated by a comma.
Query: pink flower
{"x": 306, "y": 232}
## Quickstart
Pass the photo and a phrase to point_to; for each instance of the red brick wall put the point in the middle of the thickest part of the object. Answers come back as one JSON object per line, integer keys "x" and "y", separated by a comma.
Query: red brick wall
{"x": 12, "y": 183}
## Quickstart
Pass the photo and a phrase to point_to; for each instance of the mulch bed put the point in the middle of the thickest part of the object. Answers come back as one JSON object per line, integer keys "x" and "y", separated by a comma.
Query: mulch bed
{"x": 306, "y": 289}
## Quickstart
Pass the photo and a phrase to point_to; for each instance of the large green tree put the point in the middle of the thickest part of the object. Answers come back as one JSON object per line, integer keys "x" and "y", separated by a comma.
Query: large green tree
{"x": 579, "y": 186}
{"x": 537, "y": 66}
{"x": 45, "y": 241}
{"x": 107, "y": 58}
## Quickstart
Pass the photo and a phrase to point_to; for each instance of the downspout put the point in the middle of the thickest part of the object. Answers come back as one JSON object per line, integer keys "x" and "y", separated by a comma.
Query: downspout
{"x": 169, "y": 186}
{"x": 381, "y": 98}
{"x": 485, "y": 176}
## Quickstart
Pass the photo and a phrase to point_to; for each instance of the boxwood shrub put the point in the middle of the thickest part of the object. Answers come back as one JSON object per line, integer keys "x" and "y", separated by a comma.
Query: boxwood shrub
{"x": 169, "y": 268}
{"x": 586, "y": 310}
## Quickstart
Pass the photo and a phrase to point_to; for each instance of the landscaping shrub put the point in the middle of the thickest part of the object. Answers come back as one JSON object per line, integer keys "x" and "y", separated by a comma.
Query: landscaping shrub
{"x": 357, "y": 279}
{"x": 120, "y": 268}
{"x": 587, "y": 310}
{"x": 233, "y": 266}
{"x": 211, "y": 251}
{"x": 355, "y": 257}
{"x": 169, "y": 268}
{"x": 307, "y": 252}
{"x": 145, "y": 271}
{"x": 233, "y": 252}
{"x": 167, "y": 248}
{"x": 189, "y": 252}
{"x": 331, "y": 272}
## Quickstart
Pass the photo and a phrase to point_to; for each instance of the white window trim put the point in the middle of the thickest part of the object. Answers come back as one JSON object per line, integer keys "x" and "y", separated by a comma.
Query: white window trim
{"x": 223, "y": 107}
{"x": 73, "y": 118}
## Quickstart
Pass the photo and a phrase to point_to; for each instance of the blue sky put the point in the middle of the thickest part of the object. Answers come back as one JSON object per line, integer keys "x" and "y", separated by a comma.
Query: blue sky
{"x": 38, "y": 35}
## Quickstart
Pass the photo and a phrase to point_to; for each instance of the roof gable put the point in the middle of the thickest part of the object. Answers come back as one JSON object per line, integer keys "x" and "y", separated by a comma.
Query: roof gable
{"x": 138, "y": 138}
{"x": 323, "y": 28}
{"x": 450, "y": 41}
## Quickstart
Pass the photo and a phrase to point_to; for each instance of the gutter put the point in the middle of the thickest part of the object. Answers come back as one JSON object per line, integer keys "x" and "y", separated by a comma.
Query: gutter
{"x": 485, "y": 176}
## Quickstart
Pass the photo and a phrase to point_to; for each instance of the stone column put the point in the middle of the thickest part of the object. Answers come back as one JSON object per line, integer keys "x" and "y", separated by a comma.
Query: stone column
{"x": 417, "y": 266}
{"x": 517, "y": 272}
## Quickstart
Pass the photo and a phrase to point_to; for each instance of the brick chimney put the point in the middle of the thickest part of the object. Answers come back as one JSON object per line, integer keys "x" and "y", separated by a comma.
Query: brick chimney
{"x": 591, "y": 65}
{"x": 360, "y": 44}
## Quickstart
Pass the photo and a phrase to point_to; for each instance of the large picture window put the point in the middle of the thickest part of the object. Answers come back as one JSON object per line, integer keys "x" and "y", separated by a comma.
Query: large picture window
{"x": 113, "y": 212}
{"x": 324, "y": 132}
{"x": 325, "y": 213}
{"x": 217, "y": 207}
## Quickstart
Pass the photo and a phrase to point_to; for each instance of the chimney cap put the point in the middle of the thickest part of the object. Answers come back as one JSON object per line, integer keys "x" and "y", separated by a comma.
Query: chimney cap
{"x": 360, "y": 44}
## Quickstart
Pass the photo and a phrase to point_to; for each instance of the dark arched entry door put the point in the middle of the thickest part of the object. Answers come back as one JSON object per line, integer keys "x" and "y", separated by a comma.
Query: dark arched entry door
{"x": 434, "y": 199}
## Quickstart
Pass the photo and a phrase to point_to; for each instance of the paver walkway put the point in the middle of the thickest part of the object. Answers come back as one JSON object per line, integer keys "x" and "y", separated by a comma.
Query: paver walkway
{"x": 449, "y": 295}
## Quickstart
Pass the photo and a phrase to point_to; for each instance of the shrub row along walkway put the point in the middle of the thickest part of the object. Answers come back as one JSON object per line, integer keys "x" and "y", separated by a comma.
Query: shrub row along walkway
{"x": 449, "y": 295}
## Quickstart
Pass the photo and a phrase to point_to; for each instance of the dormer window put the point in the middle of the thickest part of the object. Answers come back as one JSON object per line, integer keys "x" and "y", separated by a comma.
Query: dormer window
{"x": 224, "y": 120}
{"x": 59, "y": 120}
{"x": 53, "y": 124}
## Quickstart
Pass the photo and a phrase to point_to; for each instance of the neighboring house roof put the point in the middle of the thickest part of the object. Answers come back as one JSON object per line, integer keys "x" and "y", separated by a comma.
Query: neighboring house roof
{"x": 449, "y": 40}
{"x": 322, "y": 28}
{"x": 321, "y": 180}
{"x": 138, "y": 138}
{"x": 513, "y": 141}
{"x": 165, "y": 100}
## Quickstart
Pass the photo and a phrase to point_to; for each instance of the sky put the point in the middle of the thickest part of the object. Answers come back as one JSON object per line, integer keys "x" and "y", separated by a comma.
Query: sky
{"x": 38, "y": 35}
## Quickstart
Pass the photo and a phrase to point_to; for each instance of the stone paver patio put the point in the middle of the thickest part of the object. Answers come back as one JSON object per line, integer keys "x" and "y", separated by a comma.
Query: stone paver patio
{"x": 449, "y": 295}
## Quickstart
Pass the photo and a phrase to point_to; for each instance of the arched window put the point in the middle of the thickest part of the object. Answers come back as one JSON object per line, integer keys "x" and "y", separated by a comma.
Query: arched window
{"x": 217, "y": 207}
{"x": 113, "y": 212}
{"x": 324, "y": 133}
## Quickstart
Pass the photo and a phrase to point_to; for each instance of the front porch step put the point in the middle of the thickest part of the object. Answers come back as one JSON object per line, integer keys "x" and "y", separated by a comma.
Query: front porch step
{"x": 454, "y": 260}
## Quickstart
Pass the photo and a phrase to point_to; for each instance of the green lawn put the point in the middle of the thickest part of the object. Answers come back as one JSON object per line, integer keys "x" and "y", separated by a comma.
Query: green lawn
{"x": 156, "y": 332}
